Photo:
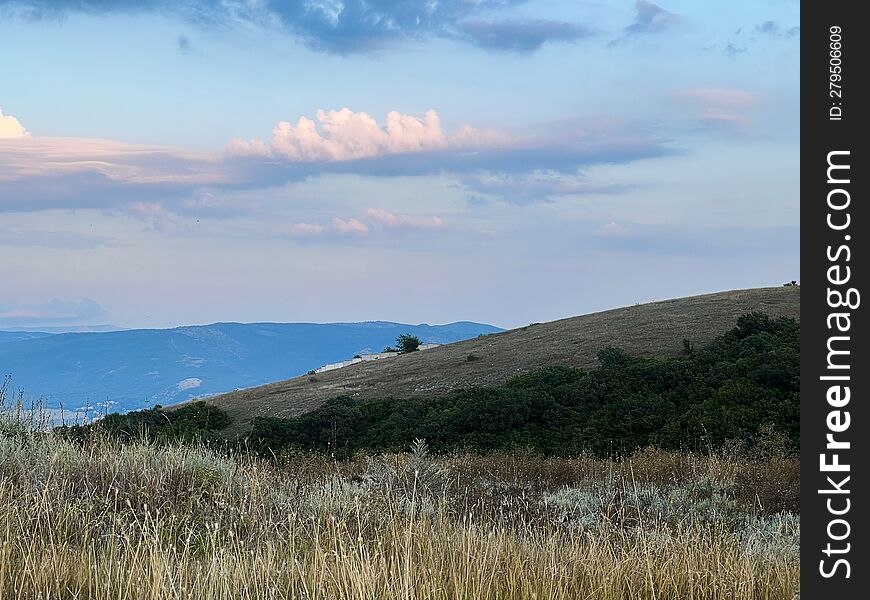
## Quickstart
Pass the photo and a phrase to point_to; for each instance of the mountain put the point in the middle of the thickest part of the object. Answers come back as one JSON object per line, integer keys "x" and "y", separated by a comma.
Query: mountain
{"x": 653, "y": 329}
{"x": 64, "y": 329}
{"x": 139, "y": 367}
{"x": 17, "y": 336}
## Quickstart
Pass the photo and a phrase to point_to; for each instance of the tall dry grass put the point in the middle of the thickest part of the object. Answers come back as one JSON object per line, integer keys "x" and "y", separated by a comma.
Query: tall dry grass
{"x": 140, "y": 521}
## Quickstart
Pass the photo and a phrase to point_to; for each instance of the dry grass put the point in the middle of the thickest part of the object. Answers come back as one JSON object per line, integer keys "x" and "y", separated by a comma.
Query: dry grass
{"x": 656, "y": 329}
{"x": 144, "y": 521}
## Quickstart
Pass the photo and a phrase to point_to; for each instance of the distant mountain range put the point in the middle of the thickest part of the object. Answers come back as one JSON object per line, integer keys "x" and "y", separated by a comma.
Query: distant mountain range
{"x": 141, "y": 367}
{"x": 17, "y": 336}
{"x": 63, "y": 329}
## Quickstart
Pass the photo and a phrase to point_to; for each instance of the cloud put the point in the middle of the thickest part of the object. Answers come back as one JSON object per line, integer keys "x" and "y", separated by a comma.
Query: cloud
{"x": 651, "y": 18}
{"x": 11, "y": 128}
{"x": 350, "y": 226}
{"x": 158, "y": 184}
{"x": 768, "y": 30}
{"x": 723, "y": 97}
{"x": 371, "y": 220}
{"x": 612, "y": 229}
{"x": 56, "y": 311}
{"x": 210, "y": 203}
{"x": 129, "y": 163}
{"x": 336, "y": 26}
{"x": 732, "y": 49}
{"x": 184, "y": 44}
{"x": 520, "y": 36}
{"x": 722, "y": 107}
{"x": 354, "y": 143}
{"x": 775, "y": 30}
{"x": 156, "y": 214}
{"x": 54, "y": 239}
{"x": 389, "y": 219}
{"x": 302, "y": 230}
{"x": 38, "y": 173}
{"x": 346, "y": 135}
{"x": 532, "y": 187}
{"x": 706, "y": 241}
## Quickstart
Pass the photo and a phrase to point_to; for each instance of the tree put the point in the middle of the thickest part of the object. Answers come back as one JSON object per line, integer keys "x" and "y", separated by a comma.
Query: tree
{"x": 407, "y": 343}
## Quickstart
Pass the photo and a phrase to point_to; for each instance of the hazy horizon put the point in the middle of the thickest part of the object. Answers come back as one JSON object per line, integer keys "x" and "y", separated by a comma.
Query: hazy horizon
{"x": 109, "y": 327}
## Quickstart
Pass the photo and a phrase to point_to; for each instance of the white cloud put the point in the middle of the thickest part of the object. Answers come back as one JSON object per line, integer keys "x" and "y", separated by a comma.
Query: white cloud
{"x": 11, "y": 128}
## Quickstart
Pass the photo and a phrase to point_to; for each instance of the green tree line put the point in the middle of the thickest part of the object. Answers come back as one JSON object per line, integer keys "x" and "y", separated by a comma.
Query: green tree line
{"x": 739, "y": 385}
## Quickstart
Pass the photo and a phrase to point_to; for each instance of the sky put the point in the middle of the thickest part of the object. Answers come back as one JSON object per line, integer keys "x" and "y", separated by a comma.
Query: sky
{"x": 165, "y": 163}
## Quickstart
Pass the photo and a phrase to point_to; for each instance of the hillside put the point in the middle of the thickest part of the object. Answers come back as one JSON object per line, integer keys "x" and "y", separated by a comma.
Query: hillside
{"x": 655, "y": 329}
{"x": 136, "y": 368}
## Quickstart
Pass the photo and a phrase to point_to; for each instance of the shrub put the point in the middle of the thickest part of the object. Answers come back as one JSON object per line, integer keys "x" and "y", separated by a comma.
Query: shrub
{"x": 735, "y": 389}
{"x": 407, "y": 343}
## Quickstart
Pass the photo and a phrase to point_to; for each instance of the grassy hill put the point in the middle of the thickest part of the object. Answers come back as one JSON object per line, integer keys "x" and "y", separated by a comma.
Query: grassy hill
{"x": 656, "y": 329}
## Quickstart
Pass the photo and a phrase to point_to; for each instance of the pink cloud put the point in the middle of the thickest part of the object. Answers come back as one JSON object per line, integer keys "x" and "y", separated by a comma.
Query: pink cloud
{"x": 386, "y": 218}
{"x": 612, "y": 229}
{"x": 340, "y": 135}
{"x": 160, "y": 218}
{"x": 303, "y": 229}
{"x": 376, "y": 218}
{"x": 149, "y": 209}
{"x": 28, "y": 156}
{"x": 39, "y": 173}
{"x": 722, "y": 106}
{"x": 722, "y": 97}
{"x": 350, "y": 226}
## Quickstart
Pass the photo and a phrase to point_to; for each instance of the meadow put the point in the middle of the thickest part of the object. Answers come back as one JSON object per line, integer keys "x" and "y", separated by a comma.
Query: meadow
{"x": 112, "y": 520}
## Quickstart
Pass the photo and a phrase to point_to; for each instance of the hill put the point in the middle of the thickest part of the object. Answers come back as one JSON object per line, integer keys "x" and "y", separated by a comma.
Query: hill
{"x": 137, "y": 368}
{"x": 655, "y": 329}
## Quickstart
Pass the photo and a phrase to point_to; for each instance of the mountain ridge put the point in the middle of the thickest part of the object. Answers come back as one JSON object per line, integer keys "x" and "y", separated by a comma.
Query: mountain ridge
{"x": 139, "y": 367}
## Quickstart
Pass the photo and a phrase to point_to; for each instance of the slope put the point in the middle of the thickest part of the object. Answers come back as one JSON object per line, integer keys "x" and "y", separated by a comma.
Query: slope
{"x": 653, "y": 329}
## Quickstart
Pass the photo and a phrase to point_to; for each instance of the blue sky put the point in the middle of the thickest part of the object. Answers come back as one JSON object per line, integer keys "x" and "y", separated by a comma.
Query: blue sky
{"x": 505, "y": 161}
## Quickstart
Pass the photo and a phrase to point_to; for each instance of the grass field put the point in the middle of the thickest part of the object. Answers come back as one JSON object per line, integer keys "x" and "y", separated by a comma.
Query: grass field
{"x": 140, "y": 521}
